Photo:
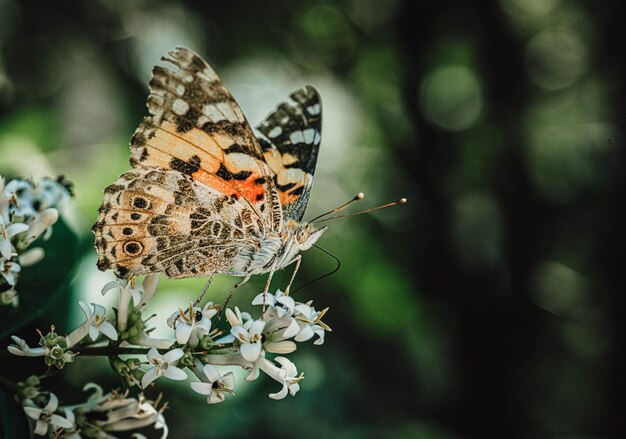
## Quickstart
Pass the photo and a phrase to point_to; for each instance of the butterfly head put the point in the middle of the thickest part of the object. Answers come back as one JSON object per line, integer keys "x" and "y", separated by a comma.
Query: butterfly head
{"x": 306, "y": 234}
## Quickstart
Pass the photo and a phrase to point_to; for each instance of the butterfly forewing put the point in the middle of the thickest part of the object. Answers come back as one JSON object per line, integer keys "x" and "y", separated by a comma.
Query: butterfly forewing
{"x": 293, "y": 133}
{"x": 197, "y": 128}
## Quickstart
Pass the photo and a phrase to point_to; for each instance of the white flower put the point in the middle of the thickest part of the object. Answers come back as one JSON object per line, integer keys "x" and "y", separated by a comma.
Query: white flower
{"x": 163, "y": 365}
{"x": 20, "y": 191}
{"x": 287, "y": 375}
{"x": 94, "y": 324}
{"x": 45, "y": 417}
{"x": 21, "y": 349}
{"x": 115, "y": 411}
{"x": 310, "y": 323}
{"x": 97, "y": 321}
{"x": 237, "y": 318}
{"x": 40, "y": 224}
{"x": 141, "y": 293}
{"x": 250, "y": 339}
{"x": 281, "y": 302}
{"x": 216, "y": 386}
{"x": 192, "y": 324}
{"x": 10, "y": 271}
{"x": 9, "y": 297}
{"x": 6, "y": 233}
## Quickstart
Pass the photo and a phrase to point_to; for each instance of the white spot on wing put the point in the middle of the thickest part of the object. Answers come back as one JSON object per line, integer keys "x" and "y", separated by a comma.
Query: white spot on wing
{"x": 227, "y": 110}
{"x": 316, "y": 139}
{"x": 212, "y": 113}
{"x": 180, "y": 107}
{"x": 314, "y": 109}
{"x": 275, "y": 132}
{"x": 309, "y": 135}
{"x": 296, "y": 137}
{"x": 180, "y": 89}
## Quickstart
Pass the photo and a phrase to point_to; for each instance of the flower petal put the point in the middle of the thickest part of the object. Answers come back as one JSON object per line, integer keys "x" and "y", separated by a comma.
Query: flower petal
{"x": 153, "y": 354}
{"x": 86, "y": 309}
{"x": 250, "y": 351}
{"x": 6, "y": 249}
{"x": 211, "y": 373}
{"x": 149, "y": 376}
{"x": 93, "y": 333}
{"x": 240, "y": 333}
{"x": 173, "y": 355}
{"x": 15, "y": 229}
{"x": 53, "y": 403}
{"x": 257, "y": 327}
{"x": 292, "y": 329}
{"x": 279, "y": 395}
{"x": 229, "y": 381}
{"x": 33, "y": 412}
{"x": 234, "y": 317}
{"x": 108, "y": 330}
{"x": 41, "y": 428}
{"x": 183, "y": 331}
{"x": 109, "y": 286}
{"x": 174, "y": 373}
{"x": 201, "y": 388}
{"x": 215, "y": 397}
{"x": 60, "y": 422}
{"x": 305, "y": 334}
{"x": 287, "y": 365}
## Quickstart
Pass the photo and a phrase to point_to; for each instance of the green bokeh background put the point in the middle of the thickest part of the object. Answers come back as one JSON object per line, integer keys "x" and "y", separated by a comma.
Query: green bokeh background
{"x": 488, "y": 306}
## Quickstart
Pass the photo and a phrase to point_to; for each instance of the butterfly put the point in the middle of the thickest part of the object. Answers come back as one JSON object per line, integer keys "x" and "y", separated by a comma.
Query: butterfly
{"x": 205, "y": 195}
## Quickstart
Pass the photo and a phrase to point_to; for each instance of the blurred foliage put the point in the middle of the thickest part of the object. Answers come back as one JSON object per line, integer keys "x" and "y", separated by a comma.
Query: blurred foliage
{"x": 486, "y": 306}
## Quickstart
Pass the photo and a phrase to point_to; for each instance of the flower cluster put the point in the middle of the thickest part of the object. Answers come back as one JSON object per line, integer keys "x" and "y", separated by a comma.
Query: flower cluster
{"x": 27, "y": 211}
{"x": 98, "y": 417}
{"x": 205, "y": 340}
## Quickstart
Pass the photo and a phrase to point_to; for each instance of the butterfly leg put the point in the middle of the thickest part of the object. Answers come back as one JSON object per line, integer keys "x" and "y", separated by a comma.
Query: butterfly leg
{"x": 267, "y": 285}
{"x": 199, "y": 298}
{"x": 204, "y": 289}
{"x": 232, "y": 291}
{"x": 297, "y": 260}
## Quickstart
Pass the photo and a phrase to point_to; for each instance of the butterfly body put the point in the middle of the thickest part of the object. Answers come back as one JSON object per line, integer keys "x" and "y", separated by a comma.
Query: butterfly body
{"x": 206, "y": 196}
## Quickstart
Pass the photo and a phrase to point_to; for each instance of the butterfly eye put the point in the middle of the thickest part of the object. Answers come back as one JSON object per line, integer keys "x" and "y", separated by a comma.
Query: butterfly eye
{"x": 301, "y": 235}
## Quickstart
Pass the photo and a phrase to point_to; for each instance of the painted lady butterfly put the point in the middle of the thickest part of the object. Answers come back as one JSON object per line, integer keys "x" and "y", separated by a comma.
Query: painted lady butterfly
{"x": 206, "y": 196}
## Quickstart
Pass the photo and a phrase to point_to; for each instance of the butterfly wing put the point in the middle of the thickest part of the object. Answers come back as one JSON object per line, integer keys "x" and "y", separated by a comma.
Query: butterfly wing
{"x": 293, "y": 132}
{"x": 159, "y": 220}
{"x": 195, "y": 127}
{"x": 200, "y": 191}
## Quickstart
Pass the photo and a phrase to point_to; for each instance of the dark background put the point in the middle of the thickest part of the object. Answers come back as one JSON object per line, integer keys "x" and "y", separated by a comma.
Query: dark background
{"x": 488, "y": 306}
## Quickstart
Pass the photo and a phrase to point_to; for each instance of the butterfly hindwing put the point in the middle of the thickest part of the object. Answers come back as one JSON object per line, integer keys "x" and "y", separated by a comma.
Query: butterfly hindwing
{"x": 158, "y": 220}
{"x": 293, "y": 133}
{"x": 197, "y": 128}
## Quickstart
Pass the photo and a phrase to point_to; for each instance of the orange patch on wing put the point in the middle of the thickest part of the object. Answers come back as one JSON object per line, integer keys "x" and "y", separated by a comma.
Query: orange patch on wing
{"x": 251, "y": 190}
{"x": 214, "y": 182}
{"x": 286, "y": 198}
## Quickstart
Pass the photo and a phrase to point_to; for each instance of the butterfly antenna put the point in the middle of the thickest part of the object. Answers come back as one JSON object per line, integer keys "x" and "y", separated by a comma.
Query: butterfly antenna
{"x": 357, "y": 197}
{"x": 394, "y": 203}
{"x": 325, "y": 275}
